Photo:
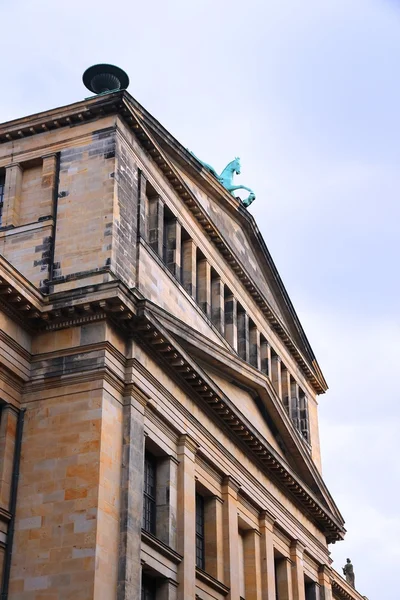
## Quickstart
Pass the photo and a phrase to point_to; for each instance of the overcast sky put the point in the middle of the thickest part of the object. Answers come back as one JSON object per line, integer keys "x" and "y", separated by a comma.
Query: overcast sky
{"x": 307, "y": 93}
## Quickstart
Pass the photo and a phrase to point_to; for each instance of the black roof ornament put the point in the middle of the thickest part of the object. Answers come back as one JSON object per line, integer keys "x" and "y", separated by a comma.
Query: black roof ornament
{"x": 102, "y": 79}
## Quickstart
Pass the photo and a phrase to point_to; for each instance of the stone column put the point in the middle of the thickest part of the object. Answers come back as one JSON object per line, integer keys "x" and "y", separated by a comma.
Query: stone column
{"x": 218, "y": 304}
{"x": 267, "y": 556}
{"x": 167, "y": 500}
{"x": 284, "y": 579}
{"x": 12, "y": 195}
{"x": 129, "y": 565}
{"x": 243, "y": 335}
{"x": 156, "y": 225}
{"x": 49, "y": 174}
{"x": 252, "y": 565}
{"x": 295, "y": 403}
{"x": 285, "y": 381}
{"x": 204, "y": 286}
{"x": 186, "y": 520}
{"x": 167, "y": 590}
{"x": 265, "y": 352}
{"x": 189, "y": 272}
{"x": 172, "y": 237}
{"x": 255, "y": 348}
{"x": 231, "y": 321}
{"x": 213, "y": 534}
{"x": 296, "y": 556}
{"x": 276, "y": 374}
{"x": 325, "y": 578}
{"x": 230, "y": 490}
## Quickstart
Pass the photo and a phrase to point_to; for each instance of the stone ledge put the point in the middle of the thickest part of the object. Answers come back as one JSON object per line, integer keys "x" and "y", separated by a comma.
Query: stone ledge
{"x": 212, "y": 582}
{"x": 162, "y": 548}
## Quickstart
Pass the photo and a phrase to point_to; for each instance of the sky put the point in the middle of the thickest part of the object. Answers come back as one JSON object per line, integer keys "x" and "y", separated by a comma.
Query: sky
{"x": 307, "y": 93}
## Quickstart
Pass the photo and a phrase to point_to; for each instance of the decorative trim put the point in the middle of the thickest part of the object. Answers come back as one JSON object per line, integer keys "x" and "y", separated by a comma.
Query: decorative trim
{"x": 159, "y": 341}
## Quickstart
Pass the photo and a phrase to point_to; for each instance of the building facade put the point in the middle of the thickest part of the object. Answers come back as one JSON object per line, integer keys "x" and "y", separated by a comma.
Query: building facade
{"x": 159, "y": 428}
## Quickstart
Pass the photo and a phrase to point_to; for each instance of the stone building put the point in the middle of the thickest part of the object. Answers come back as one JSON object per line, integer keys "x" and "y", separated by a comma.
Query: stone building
{"x": 159, "y": 427}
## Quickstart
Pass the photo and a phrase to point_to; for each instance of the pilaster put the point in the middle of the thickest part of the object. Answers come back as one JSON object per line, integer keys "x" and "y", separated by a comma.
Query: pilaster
{"x": 252, "y": 565}
{"x": 230, "y": 490}
{"x": 267, "y": 556}
{"x": 172, "y": 237}
{"x": 12, "y": 195}
{"x": 186, "y": 521}
{"x": 265, "y": 352}
{"x": 49, "y": 175}
{"x": 296, "y": 556}
{"x": 243, "y": 335}
{"x": 231, "y": 321}
{"x": 324, "y": 579}
{"x": 217, "y": 304}
{"x": 189, "y": 272}
{"x": 8, "y": 428}
{"x": 284, "y": 579}
{"x": 129, "y": 564}
{"x": 255, "y": 348}
{"x": 204, "y": 286}
{"x": 276, "y": 375}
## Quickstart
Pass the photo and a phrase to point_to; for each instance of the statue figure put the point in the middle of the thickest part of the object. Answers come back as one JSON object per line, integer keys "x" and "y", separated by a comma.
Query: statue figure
{"x": 226, "y": 178}
{"x": 349, "y": 573}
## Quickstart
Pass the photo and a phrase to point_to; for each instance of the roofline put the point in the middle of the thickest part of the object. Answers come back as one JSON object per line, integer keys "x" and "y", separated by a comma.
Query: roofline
{"x": 93, "y": 107}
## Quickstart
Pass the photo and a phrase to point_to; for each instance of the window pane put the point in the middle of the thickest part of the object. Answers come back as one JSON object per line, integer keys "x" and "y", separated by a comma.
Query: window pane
{"x": 200, "y": 553}
{"x": 148, "y": 588}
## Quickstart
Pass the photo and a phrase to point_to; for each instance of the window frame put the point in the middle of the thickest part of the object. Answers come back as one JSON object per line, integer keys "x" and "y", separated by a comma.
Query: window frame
{"x": 200, "y": 533}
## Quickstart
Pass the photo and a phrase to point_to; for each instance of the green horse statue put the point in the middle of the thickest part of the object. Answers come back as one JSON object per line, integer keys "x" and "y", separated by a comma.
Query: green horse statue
{"x": 226, "y": 178}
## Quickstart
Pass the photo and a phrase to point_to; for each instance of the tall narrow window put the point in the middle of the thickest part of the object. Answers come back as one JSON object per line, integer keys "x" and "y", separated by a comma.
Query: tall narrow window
{"x": 149, "y": 494}
{"x": 1, "y": 198}
{"x": 148, "y": 588}
{"x": 200, "y": 545}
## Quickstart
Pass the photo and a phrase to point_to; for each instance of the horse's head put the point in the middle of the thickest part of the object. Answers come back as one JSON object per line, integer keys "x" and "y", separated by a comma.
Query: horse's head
{"x": 236, "y": 165}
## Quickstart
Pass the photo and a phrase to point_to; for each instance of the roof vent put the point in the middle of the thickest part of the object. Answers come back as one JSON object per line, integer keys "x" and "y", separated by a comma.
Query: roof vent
{"x": 102, "y": 79}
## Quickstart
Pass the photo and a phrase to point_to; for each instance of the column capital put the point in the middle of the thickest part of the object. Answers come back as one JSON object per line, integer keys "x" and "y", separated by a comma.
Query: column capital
{"x": 14, "y": 164}
{"x": 325, "y": 570}
{"x": 132, "y": 391}
{"x": 229, "y": 482}
{"x": 50, "y": 155}
{"x": 267, "y": 517}
{"x": 186, "y": 441}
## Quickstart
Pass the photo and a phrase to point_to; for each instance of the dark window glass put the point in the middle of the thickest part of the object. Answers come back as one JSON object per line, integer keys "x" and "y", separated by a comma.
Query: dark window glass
{"x": 1, "y": 198}
{"x": 200, "y": 554}
{"x": 149, "y": 494}
{"x": 148, "y": 588}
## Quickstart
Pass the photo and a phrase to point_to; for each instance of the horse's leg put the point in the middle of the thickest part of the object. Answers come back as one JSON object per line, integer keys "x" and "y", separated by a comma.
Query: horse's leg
{"x": 232, "y": 188}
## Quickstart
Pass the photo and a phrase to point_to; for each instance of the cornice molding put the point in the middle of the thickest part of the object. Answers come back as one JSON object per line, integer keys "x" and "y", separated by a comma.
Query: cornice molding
{"x": 121, "y": 306}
